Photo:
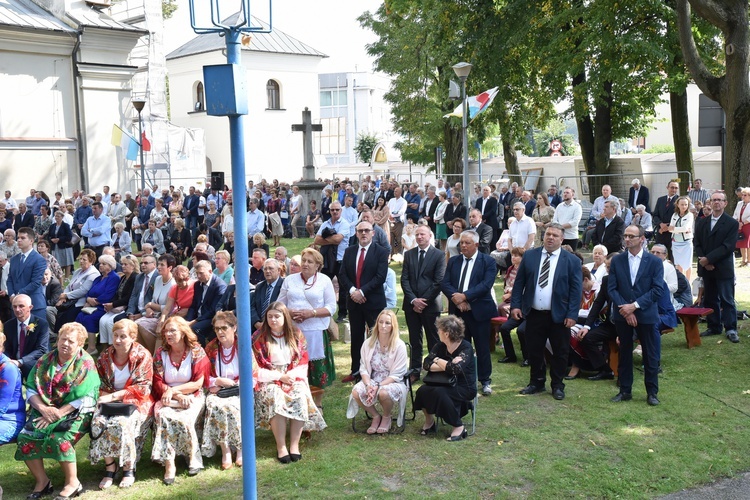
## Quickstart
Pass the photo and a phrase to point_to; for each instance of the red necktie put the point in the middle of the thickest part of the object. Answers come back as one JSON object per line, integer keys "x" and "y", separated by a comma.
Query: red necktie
{"x": 360, "y": 266}
{"x": 22, "y": 340}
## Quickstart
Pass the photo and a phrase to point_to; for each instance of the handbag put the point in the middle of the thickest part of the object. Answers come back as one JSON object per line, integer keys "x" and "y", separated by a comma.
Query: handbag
{"x": 67, "y": 304}
{"x": 228, "y": 392}
{"x": 440, "y": 379}
{"x": 116, "y": 409}
{"x": 88, "y": 310}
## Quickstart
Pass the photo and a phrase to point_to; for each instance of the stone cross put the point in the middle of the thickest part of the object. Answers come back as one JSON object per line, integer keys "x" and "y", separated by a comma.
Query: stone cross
{"x": 307, "y": 128}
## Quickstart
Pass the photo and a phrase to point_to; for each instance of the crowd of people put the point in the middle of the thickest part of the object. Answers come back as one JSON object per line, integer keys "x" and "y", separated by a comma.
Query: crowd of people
{"x": 141, "y": 337}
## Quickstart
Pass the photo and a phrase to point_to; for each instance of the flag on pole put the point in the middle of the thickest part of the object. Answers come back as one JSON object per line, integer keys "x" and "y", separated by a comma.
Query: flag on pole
{"x": 128, "y": 144}
{"x": 145, "y": 142}
{"x": 476, "y": 104}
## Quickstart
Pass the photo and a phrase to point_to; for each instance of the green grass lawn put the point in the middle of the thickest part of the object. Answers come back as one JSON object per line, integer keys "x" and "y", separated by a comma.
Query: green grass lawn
{"x": 525, "y": 446}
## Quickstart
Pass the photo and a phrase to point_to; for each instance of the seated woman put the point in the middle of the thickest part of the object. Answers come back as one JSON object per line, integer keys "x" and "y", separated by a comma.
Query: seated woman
{"x": 454, "y": 356}
{"x": 223, "y": 269}
{"x": 597, "y": 267}
{"x": 115, "y": 310}
{"x": 73, "y": 298}
{"x": 223, "y": 424}
{"x": 578, "y": 358}
{"x": 179, "y": 299}
{"x": 102, "y": 291}
{"x": 126, "y": 370}
{"x": 12, "y": 405}
{"x": 154, "y": 237}
{"x": 180, "y": 370}
{"x": 282, "y": 393}
{"x": 121, "y": 241}
{"x": 382, "y": 368}
{"x": 180, "y": 241}
{"x": 62, "y": 389}
{"x": 147, "y": 323}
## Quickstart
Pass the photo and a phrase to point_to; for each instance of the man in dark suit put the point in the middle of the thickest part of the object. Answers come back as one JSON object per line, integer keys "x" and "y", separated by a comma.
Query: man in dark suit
{"x": 208, "y": 291}
{"x": 662, "y": 214}
{"x": 26, "y": 272}
{"x": 363, "y": 272}
{"x": 52, "y": 290}
{"x": 190, "y": 207}
{"x": 610, "y": 228}
{"x": 528, "y": 203}
{"x": 143, "y": 288}
{"x": 468, "y": 279}
{"x": 26, "y": 335}
{"x": 553, "y": 196}
{"x": 487, "y": 206}
{"x": 714, "y": 242}
{"x": 430, "y": 207}
{"x": 423, "y": 271}
{"x": 547, "y": 293}
{"x": 483, "y": 230}
{"x": 24, "y": 218}
{"x": 635, "y": 285}
{"x": 638, "y": 195}
{"x": 265, "y": 292}
{"x": 454, "y": 210}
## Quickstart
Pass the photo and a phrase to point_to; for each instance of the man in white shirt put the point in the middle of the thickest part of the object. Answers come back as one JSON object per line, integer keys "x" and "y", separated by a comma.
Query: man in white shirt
{"x": 568, "y": 215}
{"x": 350, "y": 215}
{"x": 522, "y": 232}
{"x": 397, "y": 208}
{"x": 10, "y": 203}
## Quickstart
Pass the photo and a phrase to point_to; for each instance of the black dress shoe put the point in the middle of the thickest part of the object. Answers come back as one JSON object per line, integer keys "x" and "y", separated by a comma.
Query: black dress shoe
{"x": 531, "y": 389}
{"x": 558, "y": 394}
{"x": 75, "y": 494}
{"x": 622, "y": 396}
{"x": 285, "y": 459}
{"x": 602, "y": 375}
{"x": 652, "y": 400}
{"x": 572, "y": 377}
{"x": 506, "y": 359}
{"x": 295, "y": 457}
{"x": 525, "y": 363}
{"x": 708, "y": 333}
{"x": 47, "y": 490}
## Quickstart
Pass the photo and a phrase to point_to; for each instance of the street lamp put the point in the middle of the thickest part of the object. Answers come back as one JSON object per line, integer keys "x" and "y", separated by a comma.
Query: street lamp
{"x": 462, "y": 71}
{"x": 139, "y": 104}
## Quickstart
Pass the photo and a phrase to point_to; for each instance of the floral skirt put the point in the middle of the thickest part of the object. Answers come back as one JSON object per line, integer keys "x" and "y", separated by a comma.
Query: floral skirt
{"x": 60, "y": 446}
{"x": 222, "y": 424}
{"x": 322, "y": 372}
{"x": 177, "y": 432}
{"x": 120, "y": 438}
{"x": 294, "y": 403}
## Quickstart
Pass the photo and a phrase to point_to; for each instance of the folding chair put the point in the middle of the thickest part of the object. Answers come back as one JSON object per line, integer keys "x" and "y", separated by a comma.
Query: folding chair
{"x": 472, "y": 404}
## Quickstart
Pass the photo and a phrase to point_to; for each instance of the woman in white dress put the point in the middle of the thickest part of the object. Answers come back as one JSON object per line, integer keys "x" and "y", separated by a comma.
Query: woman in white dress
{"x": 681, "y": 227}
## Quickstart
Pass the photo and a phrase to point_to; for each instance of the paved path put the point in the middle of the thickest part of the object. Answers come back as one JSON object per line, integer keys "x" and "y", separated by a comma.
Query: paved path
{"x": 736, "y": 488}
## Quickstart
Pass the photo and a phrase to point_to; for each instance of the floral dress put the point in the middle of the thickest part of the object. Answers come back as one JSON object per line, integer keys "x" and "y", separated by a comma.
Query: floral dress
{"x": 543, "y": 215}
{"x": 123, "y": 437}
{"x": 223, "y": 422}
{"x": 272, "y": 360}
{"x": 177, "y": 430}
{"x": 57, "y": 385}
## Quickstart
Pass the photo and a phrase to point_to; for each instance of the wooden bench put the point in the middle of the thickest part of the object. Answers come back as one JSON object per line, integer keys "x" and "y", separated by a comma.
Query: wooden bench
{"x": 614, "y": 352}
{"x": 689, "y": 317}
{"x": 496, "y": 323}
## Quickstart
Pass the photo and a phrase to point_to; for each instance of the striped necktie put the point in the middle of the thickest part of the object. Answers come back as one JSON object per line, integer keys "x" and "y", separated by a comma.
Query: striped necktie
{"x": 267, "y": 300}
{"x": 544, "y": 275}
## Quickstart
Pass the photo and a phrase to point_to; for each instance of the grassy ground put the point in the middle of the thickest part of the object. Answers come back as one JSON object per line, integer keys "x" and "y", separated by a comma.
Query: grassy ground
{"x": 525, "y": 446}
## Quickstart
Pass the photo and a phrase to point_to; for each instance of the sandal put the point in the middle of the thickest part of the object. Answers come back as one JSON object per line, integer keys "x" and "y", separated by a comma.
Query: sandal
{"x": 373, "y": 429}
{"x": 459, "y": 437}
{"x": 109, "y": 476}
{"x": 128, "y": 478}
{"x": 385, "y": 429}
{"x": 430, "y": 430}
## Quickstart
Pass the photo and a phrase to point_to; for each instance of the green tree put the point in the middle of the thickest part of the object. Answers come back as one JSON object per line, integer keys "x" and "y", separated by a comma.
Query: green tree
{"x": 364, "y": 146}
{"x": 168, "y": 7}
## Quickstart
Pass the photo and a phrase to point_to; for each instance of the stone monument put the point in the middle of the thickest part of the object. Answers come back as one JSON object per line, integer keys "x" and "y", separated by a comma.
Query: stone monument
{"x": 309, "y": 186}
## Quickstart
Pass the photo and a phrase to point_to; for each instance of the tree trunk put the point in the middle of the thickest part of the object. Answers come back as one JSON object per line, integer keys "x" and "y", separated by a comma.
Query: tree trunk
{"x": 453, "y": 144}
{"x": 583, "y": 122}
{"x": 511, "y": 161}
{"x": 683, "y": 147}
{"x": 602, "y": 139}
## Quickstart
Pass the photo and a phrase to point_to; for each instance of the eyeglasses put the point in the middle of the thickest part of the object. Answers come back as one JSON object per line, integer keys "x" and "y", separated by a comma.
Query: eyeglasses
{"x": 629, "y": 236}
{"x": 222, "y": 328}
{"x": 364, "y": 230}
{"x": 334, "y": 210}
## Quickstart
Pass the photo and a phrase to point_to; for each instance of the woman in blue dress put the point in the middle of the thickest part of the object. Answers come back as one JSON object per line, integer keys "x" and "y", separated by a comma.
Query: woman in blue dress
{"x": 12, "y": 405}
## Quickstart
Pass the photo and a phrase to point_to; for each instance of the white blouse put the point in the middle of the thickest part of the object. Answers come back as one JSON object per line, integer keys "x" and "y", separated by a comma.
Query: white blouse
{"x": 121, "y": 377}
{"x": 177, "y": 376}
{"x": 230, "y": 371}
{"x": 316, "y": 293}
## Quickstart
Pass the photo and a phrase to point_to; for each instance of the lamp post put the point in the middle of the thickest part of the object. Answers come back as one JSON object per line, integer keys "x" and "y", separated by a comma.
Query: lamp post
{"x": 462, "y": 71}
{"x": 139, "y": 104}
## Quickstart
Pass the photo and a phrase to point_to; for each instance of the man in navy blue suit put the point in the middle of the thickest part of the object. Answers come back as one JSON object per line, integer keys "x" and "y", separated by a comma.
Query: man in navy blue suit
{"x": 26, "y": 336}
{"x": 635, "y": 286}
{"x": 26, "y": 272}
{"x": 547, "y": 292}
{"x": 467, "y": 282}
{"x": 208, "y": 292}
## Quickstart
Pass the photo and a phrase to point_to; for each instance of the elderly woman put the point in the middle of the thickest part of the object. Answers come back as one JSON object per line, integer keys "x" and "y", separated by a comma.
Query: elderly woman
{"x": 577, "y": 358}
{"x": 154, "y": 237}
{"x": 115, "y": 310}
{"x": 441, "y": 228}
{"x": 382, "y": 368}
{"x": 311, "y": 301}
{"x": 210, "y": 250}
{"x": 60, "y": 240}
{"x": 742, "y": 215}
{"x": 223, "y": 269}
{"x": 681, "y": 226}
{"x": 121, "y": 241}
{"x": 102, "y": 291}
{"x": 73, "y": 298}
{"x": 9, "y": 245}
{"x": 282, "y": 392}
{"x": 62, "y": 389}
{"x": 180, "y": 241}
{"x": 126, "y": 370}
{"x": 147, "y": 324}
{"x": 5, "y": 223}
{"x": 452, "y": 356}
{"x": 598, "y": 267}
{"x": 259, "y": 241}
{"x": 12, "y": 405}
{"x": 43, "y": 222}
{"x": 542, "y": 215}
{"x": 223, "y": 424}
{"x": 53, "y": 265}
{"x": 295, "y": 264}
{"x": 212, "y": 218}
{"x": 181, "y": 369}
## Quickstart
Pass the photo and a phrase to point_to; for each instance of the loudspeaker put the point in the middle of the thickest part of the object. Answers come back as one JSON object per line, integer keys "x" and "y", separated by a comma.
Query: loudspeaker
{"x": 217, "y": 180}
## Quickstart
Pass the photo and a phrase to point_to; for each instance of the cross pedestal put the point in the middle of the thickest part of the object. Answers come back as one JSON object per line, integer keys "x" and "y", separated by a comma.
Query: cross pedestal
{"x": 309, "y": 186}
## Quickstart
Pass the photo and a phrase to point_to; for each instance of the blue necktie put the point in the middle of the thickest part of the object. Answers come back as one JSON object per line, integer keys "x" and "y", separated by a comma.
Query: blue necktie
{"x": 266, "y": 301}
{"x": 23, "y": 259}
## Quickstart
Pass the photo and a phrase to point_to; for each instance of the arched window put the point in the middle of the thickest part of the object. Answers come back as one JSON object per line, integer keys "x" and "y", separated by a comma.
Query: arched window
{"x": 274, "y": 95}
{"x": 199, "y": 99}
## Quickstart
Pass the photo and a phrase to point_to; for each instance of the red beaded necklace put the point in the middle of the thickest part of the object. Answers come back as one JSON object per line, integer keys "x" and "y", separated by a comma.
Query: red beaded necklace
{"x": 178, "y": 365}
{"x": 226, "y": 360}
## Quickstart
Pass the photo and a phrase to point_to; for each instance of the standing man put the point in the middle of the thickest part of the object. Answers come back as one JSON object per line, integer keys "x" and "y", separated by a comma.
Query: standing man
{"x": 332, "y": 238}
{"x": 266, "y": 291}
{"x": 397, "y": 208}
{"x": 130, "y": 203}
{"x": 715, "y": 238}
{"x": 662, "y": 215}
{"x": 379, "y": 237}
{"x": 610, "y": 228}
{"x": 430, "y": 207}
{"x": 553, "y": 196}
{"x": 23, "y": 218}
{"x": 487, "y": 206}
{"x": 27, "y": 271}
{"x": 97, "y": 229}
{"x": 547, "y": 293}
{"x": 144, "y": 214}
{"x": 26, "y": 335}
{"x": 568, "y": 215}
{"x": 421, "y": 276}
{"x": 117, "y": 211}
{"x": 413, "y": 202}
{"x": 698, "y": 193}
{"x": 638, "y": 195}
{"x": 362, "y": 275}
{"x": 190, "y": 208}
{"x": 467, "y": 282}
{"x": 635, "y": 285}
{"x": 484, "y": 232}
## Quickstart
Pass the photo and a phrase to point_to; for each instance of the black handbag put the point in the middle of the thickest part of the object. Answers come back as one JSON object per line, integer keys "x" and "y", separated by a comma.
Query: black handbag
{"x": 440, "y": 379}
{"x": 228, "y": 392}
{"x": 116, "y": 409}
{"x": 67, "y": 304}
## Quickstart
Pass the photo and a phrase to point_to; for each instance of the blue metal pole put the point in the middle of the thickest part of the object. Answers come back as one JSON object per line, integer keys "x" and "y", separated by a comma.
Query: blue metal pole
{"x": 242, "y": 273}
